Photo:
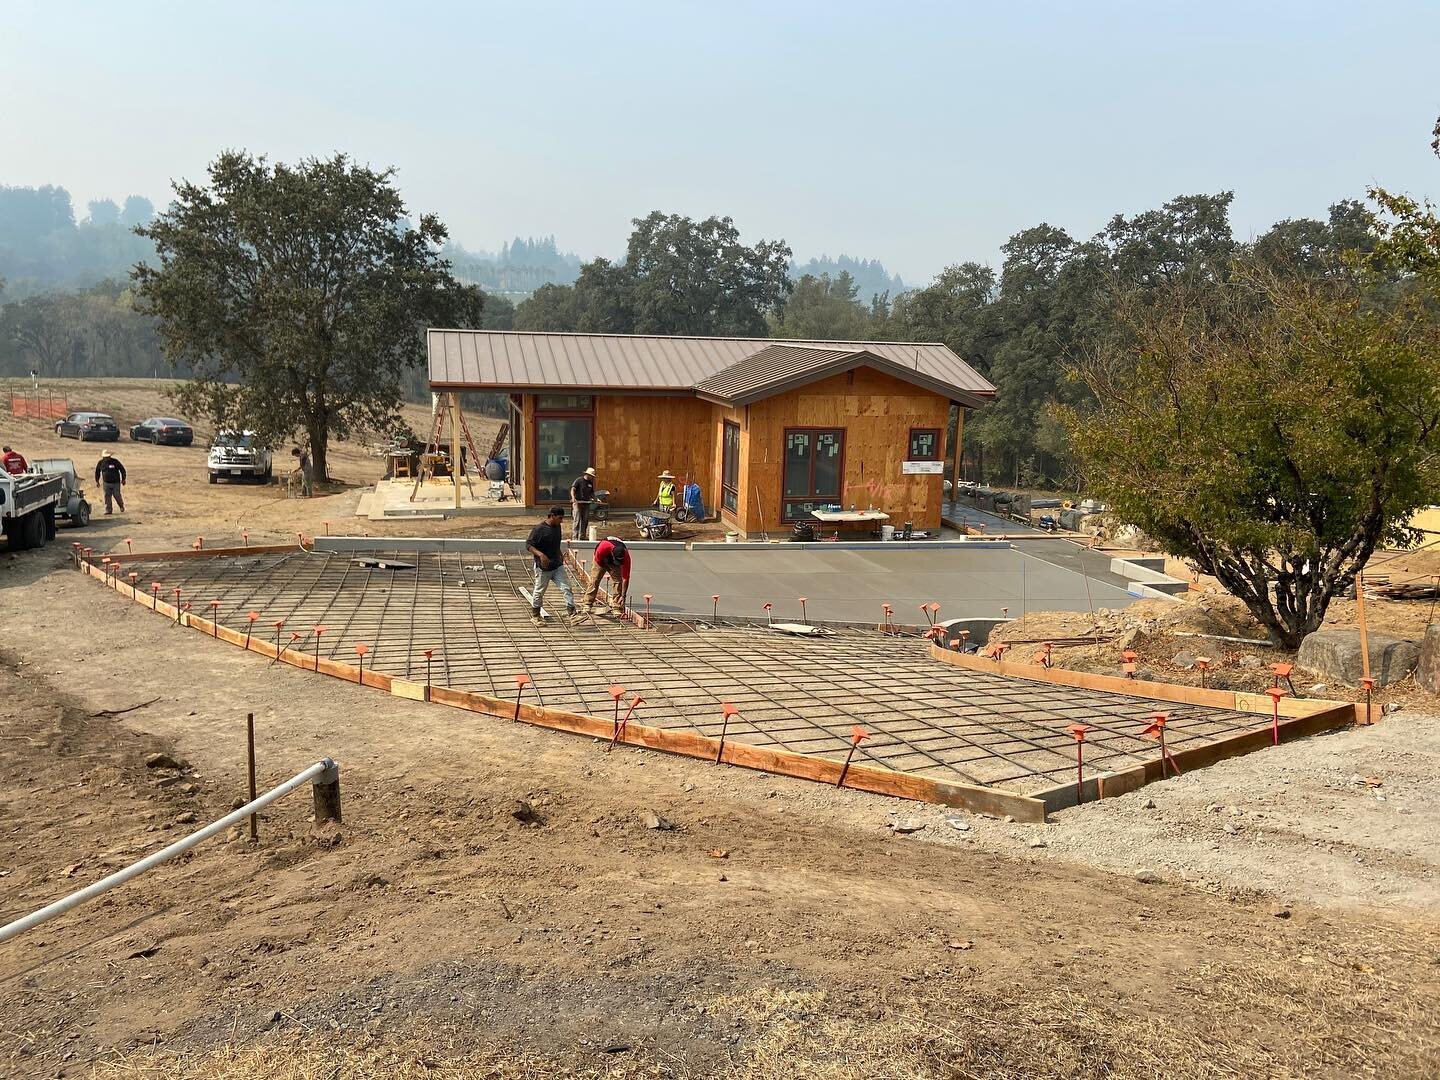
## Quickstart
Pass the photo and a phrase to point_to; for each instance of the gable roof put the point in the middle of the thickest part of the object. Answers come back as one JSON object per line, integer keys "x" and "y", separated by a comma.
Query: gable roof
{"x": 620, "y": 363}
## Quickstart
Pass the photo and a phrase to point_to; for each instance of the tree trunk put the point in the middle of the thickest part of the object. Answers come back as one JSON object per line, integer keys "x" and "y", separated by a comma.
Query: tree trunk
{"x": 318, "y": 432}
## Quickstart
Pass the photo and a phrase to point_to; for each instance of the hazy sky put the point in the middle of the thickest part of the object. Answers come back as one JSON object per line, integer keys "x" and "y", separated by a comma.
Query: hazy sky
{"x": 920, "y": 133}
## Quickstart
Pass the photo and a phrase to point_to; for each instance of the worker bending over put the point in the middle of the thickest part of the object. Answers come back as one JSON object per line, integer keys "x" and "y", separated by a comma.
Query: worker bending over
{"x": 110, "y": 475}
{"x": 544, "y": 545}
{"x": 612, "y": 558}
{"x": 12, "y": 461}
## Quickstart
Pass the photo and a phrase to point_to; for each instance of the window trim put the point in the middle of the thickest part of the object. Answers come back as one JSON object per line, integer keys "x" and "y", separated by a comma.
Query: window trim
{"x": 939, "y": 434}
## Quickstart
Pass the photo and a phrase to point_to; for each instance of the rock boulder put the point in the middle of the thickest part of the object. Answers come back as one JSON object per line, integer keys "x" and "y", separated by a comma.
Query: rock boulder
{"x": 1427, "y": 673}
{"x": 1335, "y": 654}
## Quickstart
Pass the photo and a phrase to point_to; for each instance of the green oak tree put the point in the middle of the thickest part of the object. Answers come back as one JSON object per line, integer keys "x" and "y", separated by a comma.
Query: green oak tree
{"x": 297, "y": 295}
{"x": 1271, "y": 429}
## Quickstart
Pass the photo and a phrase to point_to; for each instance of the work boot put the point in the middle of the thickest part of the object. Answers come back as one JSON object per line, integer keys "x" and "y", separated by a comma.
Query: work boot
{"x": 570, "y": 611}
{"x": 581, "y": 615}
{"x": 537, "y": 619}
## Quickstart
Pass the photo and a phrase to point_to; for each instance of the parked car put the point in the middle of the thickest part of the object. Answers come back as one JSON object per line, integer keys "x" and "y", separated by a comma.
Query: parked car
{"x": 238, "y": 455}
{"x": 164, "y": 430}
{"x": 88, "y": 427}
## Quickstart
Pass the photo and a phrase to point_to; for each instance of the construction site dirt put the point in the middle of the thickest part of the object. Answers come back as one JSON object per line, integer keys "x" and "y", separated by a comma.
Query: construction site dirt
{"x": 503, "y": 900}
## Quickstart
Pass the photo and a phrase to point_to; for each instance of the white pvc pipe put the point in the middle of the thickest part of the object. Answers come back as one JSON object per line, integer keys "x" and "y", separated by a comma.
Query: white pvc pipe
{"x": 59, "y": 907}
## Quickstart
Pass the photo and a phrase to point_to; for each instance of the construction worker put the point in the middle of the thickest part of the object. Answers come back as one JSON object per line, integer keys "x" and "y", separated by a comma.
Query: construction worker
{"x": 582, "y": 491}
{"x": 665, "y": 500}
{"x": 110, "y": 475}
{"x": 612, "y": 558}
{"x": 544, "y": 545}
{"x": 13, "y": 462}
{"x": 305, "y": 470}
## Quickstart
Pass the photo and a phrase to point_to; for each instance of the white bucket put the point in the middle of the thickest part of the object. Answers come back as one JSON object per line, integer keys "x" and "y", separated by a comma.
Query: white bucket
{"x": 887, "y": 532}
{"x": 732, "y": 538}
{"x": 593, "y": 532}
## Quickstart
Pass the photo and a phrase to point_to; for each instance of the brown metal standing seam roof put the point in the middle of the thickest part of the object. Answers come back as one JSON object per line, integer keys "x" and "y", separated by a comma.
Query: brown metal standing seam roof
{"x": 511, "y": 360}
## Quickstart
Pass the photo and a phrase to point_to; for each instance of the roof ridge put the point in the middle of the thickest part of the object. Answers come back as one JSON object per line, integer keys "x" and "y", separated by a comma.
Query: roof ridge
{"x": 674, "y": 337}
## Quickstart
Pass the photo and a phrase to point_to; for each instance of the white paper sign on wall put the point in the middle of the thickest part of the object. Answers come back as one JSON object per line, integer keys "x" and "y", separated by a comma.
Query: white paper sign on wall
{"x": 922, "y": 468}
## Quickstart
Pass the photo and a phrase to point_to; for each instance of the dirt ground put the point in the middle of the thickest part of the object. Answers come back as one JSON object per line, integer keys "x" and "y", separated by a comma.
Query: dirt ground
{"x": 496, "y": 903}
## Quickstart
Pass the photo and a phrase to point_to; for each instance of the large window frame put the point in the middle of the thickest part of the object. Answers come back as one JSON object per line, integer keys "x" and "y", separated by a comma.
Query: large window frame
{"x": 730, "y": 467}
{"x": 573, "y": 469}
{"x": 798, "y": 507}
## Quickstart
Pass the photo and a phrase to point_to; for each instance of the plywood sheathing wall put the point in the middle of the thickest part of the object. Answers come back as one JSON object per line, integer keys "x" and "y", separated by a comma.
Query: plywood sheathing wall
{"x": 638, "y": 437}
{"x": 877, "y": 412}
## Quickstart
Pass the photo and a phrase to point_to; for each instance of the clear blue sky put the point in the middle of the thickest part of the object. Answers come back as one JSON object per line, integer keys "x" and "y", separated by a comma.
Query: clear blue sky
{"x": 920, "y": 133}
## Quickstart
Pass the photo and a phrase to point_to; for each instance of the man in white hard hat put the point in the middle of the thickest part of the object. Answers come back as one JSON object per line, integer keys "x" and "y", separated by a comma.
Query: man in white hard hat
{"x": 582, "y": 491}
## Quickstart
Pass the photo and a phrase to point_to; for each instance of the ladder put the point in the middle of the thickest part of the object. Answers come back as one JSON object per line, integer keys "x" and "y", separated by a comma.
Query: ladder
{"x": 437, "y": 433}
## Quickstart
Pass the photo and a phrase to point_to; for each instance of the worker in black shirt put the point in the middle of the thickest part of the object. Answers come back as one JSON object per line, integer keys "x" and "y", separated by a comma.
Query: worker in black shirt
{"x": 582, "y": 491}
{"x": 544, "y": 545}
{"x": 110, "y": 474}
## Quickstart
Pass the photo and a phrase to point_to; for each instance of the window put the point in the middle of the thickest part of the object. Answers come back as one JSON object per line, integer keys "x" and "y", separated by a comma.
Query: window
{"x": 814, "y": 470}
{"x": 563, "y": 450}
{"x": 564, "y": 403}
{"x": 730, "y": 468}
{"x": 924, "y": 444}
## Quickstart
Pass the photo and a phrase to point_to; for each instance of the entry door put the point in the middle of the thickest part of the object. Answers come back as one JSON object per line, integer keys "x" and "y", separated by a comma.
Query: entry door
{"x": 814, "y": 471}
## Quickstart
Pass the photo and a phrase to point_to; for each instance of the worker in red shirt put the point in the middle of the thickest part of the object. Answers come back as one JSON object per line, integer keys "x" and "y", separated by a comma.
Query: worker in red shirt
{"x": 612, "y": 558}
{"x": 13, "y": 463}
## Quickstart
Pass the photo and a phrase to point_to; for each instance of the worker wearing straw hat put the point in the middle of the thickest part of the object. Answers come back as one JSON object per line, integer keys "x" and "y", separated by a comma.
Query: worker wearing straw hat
{"x": 665, "y": 500}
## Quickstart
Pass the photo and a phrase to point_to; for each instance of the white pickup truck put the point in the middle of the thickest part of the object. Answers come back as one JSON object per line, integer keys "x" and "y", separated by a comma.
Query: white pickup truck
{"x": 238, "y": 455}
{"x": 27, "y": 508}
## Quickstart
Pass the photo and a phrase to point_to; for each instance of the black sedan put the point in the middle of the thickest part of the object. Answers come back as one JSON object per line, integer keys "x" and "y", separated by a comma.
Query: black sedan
{"x": 163, "y": 431}
{"x": 88, "y": 427}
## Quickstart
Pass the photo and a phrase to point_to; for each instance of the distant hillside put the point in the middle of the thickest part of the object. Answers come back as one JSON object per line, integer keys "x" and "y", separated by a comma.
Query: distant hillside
{"x": 43, "y": 248}
{"x": 869, "y": 275}
{"x": 518, "y": 269}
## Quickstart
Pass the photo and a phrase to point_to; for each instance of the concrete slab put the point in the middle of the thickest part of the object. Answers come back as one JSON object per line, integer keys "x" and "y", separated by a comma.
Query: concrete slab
{"x": 849, "y": 586}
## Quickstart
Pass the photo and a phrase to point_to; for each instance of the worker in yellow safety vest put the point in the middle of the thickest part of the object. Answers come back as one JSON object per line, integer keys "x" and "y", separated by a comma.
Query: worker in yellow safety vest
{"x": 665, "y": 501}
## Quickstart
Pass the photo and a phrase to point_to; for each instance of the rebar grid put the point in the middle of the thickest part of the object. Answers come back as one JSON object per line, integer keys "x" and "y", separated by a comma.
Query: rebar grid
{"x": 795, "y": 693}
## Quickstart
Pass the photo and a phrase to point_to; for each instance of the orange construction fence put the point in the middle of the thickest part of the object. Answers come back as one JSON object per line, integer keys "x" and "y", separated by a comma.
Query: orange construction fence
{"x": 38, "y": 407}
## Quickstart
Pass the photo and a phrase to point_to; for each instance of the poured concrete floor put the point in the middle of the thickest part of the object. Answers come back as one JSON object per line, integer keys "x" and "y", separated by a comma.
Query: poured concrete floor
{"x": 850, "y": 584}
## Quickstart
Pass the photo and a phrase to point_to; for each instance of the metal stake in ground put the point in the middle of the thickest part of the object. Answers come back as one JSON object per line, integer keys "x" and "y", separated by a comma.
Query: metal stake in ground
{"x": 279, "y": 624}
{"x": 803, "y": 619}
{"x": 857, "y": 735}
{"x": 215, "y": 618}
{"x": 250, "y": 618}
{"x": 429, "y": 655}
{"x": 1369, "y": 685}
{"x": 715, "y": 608}
{"x": 616, "y": 693}
{"x": 726, "y": 711}
{"x": 155, "y": 587}
{"x": 318, "y": 631}
{"x": 1275, "y": 695}
{"x": 767, "y": 614}
{"x": 250, "y": 753}
{"x": 176, "y": 590}
{"x": 360, "y": 651}
{"x": 648, "y": 598}
{"x": 1203, "y": 663}
{"x": 1079, "y": 731}
{"x": 1156, "y": 730}
{"x": 521, "y": 681}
